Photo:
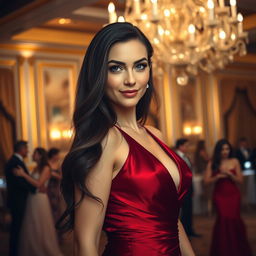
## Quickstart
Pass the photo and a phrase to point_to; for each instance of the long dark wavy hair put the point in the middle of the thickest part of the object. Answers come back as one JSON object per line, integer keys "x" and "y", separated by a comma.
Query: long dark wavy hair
{"x": 93, "y": 115}
{"x": 216, "y": 159}
{"x": 43, "y": 158}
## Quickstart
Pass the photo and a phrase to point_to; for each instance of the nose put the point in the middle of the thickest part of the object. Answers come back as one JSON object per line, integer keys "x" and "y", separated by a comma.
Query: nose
{"x": 130, "y": 78}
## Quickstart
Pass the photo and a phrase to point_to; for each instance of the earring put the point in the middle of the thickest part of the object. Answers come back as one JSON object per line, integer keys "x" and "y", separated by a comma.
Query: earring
{"x": 147, "y": 86}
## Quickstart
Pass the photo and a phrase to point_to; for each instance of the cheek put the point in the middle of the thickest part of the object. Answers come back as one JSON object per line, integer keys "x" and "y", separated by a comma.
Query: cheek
{"x": 143, "y": 78}
{"x": 113, "y": 81}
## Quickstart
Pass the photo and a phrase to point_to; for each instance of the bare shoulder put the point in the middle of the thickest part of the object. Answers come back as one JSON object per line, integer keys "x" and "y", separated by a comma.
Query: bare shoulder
{"x": 111, "y": 140}
{"x": 155, "y": 131}
{"x": 234, "y": 160}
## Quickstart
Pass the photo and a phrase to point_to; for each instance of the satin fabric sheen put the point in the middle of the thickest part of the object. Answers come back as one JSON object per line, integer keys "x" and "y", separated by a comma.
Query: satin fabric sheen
{"x": 143, "y": 207}
{"x": 229, "y": 233}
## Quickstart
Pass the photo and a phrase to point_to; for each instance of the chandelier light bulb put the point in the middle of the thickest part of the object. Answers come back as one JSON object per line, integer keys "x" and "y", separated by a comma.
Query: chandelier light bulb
{"x": 167, "y": 13}
{"x": 156, "y": 41}
{"x": 201, "y": 9}
{"x": 233, "y": 36}
{"x": 233, "y": 8}
{"x": 240, "y": 24}
{"x": 154, "y": 9}
{"x": 144, "y": 16}
{"x": 240, "y": 17}
{"x": 222, "y": 35}
{"x": 210, "y": 4}
{"x": 232, "y": 2}
{"x": 121, "y": 19}
{"x": 191, "y": 29}
{"x": 112, "y": 13}
{"x": 111, "y": 7}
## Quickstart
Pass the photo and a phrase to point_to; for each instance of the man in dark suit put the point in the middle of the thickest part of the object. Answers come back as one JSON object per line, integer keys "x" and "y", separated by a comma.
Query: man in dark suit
{"x": 244, "y": 154}
{"x": 187, "y": 205}
{"x": 17, "y": 191}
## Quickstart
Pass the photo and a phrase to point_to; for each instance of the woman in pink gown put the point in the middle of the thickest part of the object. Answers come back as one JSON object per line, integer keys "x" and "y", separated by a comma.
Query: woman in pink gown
{"x": 119, "y": 176}
{"x": 229, "y": 234}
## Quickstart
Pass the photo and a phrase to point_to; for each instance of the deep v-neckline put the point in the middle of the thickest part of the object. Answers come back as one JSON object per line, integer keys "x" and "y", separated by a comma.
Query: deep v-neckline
{"x": 159, "y": 142}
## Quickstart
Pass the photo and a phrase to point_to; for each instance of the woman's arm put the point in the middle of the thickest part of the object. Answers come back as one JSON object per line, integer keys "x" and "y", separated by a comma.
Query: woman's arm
{"x": 45, "y": 175}
{"x": 209, "y": 178}
{"x": 238, "y": 176}
{"x": 90, "y": 214}
{"x": 185, "y": 246}
{"x": 56, "y": 175}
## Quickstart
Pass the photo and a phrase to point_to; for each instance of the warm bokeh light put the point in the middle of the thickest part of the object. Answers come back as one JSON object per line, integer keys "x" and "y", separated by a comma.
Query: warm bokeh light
{"x": 197, "y": 129}
{"x": 111, "y": 7}
{"x": 64, "y": 21}
{"x": 187, "y": 130}
{"x": 26, "y": 54}
{"x": 121, "y": 19}
{"x": 55, "y": 134}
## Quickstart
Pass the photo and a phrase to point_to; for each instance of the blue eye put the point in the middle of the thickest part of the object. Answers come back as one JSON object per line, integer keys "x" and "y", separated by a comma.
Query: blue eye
{"x": 115, "y": 68}
{"x": 141, "y": 66}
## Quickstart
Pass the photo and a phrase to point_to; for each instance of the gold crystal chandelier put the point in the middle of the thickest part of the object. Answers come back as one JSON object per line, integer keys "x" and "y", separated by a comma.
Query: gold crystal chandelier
{"x": 188, "y": 34}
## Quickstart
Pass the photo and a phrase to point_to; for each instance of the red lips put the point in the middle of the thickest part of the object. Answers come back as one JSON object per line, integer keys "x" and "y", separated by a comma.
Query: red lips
{"x": 129, "y": 93}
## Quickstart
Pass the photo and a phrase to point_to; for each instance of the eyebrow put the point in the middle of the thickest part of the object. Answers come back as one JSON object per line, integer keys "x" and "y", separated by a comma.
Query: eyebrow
{"x": 123, "y": 63}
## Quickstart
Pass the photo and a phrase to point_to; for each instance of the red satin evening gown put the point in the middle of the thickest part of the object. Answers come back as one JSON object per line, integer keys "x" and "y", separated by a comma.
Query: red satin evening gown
{"x": 229, "y": 234}
{"x": 143, "y": 207}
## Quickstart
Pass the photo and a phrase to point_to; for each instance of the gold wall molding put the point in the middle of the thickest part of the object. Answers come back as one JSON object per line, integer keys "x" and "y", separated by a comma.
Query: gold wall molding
{"x": 55, "y": 36}
{"x": 41, "y": 49}
{"x": 41, "y": 113}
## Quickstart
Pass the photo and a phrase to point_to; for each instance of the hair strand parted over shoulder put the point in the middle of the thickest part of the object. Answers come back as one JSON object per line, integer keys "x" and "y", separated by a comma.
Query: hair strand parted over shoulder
{"x": 93, "y": 115}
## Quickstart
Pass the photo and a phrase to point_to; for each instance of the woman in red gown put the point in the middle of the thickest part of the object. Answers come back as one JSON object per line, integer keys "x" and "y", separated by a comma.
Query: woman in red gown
{"x": 119, "y": 176}
{"x": 229, "y": 233}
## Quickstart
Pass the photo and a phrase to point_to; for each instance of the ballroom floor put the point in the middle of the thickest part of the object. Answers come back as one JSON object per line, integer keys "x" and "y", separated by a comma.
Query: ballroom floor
{"x": 203, "y": 225}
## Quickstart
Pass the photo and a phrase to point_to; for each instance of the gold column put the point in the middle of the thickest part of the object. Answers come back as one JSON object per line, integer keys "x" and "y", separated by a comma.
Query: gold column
{"x": 171, "y": 106}
{"x": 23, "y": 98}
{"x": 32, "y": 103}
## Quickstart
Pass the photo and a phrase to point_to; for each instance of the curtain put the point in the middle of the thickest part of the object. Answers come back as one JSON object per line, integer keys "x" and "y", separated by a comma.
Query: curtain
{"x": 7, "y": 115}
{"x": 240, "y": 119}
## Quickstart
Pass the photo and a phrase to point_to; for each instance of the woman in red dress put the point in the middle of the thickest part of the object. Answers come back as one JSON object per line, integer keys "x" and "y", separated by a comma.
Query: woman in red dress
{"x": 119, "y": 176}
{"x": 229, "y": 233}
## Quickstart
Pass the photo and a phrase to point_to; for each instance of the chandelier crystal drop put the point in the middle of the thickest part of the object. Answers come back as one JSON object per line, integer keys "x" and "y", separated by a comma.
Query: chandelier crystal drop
{"x": 189, "y": 34}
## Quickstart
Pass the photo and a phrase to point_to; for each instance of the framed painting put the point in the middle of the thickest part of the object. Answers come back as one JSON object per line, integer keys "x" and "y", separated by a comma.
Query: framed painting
{"x": 56, "y": 89}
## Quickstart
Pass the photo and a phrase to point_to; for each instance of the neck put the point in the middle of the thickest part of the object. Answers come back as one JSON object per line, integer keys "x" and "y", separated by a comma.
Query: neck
{"x": 126, "y": 118}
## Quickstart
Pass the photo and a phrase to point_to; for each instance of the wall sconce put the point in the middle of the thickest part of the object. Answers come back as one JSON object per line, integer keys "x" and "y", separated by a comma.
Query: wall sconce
{"x": 57, "y": 134}
{"x": 192, "y": 130}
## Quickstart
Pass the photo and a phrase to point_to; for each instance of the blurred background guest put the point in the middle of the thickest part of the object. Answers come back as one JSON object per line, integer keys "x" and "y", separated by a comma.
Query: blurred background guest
{"x": 229, "y": 233}
{"x": 18, "y": 190}
{"x": 38, "y": 236}
{"x": 53, "y": 189}
{"x": 244, "y": 154}
{"x": 201, "y": 157}
{"x": 187, "y": 205}
{"x": 202, "y": 194}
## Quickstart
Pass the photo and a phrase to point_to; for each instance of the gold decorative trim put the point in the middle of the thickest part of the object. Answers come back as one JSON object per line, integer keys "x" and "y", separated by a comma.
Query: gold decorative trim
{"x": 41, "y": 100}
{"x": 23, "y": 98}
{"x": 55, "y": 36}
{"x": 31, "y": 62}
{"x": 8, "y": 63}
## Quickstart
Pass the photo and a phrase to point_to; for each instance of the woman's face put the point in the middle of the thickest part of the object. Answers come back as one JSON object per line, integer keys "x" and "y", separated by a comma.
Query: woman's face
{"x": 36, "y": 156}
{"x": 225, "y": 151}
{"x": 55, "y": 158}
{"x": 128, "y": 73}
